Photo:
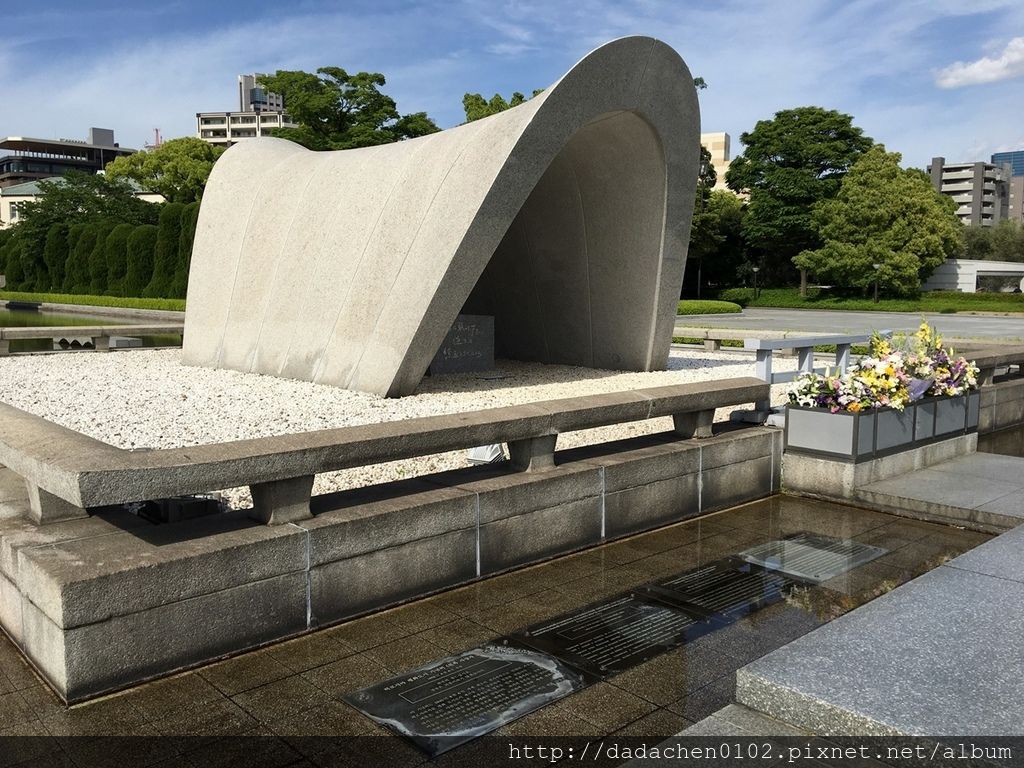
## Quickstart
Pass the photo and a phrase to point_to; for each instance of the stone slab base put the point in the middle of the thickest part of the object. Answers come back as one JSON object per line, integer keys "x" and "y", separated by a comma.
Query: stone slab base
{"x": 954, "y": 667}
{"x": 108, "y": 601}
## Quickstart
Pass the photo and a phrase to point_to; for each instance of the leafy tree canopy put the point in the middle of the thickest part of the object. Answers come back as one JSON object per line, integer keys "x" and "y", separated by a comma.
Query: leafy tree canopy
{"x": 178, "y": 169}
{"x": 1003, "y": 242}
{"x": 336, "y": 110}
{"x": 883, "y": 215}
{"x": 476, "y": 106}
{"x": 789, "y": 164}
{"x": 80, "y": 198}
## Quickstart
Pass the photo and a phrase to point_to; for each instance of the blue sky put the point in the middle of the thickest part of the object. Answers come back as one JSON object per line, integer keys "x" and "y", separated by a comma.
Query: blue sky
{"x": 925, "y": 77}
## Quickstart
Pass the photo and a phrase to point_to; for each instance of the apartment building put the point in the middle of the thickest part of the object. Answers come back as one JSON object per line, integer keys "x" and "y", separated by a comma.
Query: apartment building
{"x": 981, "y": 190}
{"x": 259, "y": 111}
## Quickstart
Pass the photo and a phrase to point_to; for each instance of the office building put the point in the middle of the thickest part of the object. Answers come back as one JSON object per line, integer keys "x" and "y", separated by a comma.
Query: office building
{"x": 981, "y": 190}
{"x": 24, "y": 159}
{"x": 253, "y": 97}
{"x": 1015, "y": 160}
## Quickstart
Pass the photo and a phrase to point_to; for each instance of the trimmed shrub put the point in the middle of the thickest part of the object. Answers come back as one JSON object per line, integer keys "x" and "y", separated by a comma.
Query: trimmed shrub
{"x": 115, "y": 251}
{"x": 141, "y": 249}
{"x": 189, "y": 217}
{"x": 55, "y": 257}
{"x": 741, "y": 296}
{"x": 98, "y": 260}
{"x": 165, "y": 258}
{"x": 706, "y": 307}
{"x": 76, "y": 276}
{"x": 13, "y": 273}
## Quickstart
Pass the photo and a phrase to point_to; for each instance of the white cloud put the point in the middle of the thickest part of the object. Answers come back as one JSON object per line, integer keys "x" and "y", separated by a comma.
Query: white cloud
{"x": 989, "y": 69}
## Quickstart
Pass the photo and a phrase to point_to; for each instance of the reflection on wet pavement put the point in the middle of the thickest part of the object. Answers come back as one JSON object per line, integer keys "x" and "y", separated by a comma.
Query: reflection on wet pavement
{"x": 293, "y": 689}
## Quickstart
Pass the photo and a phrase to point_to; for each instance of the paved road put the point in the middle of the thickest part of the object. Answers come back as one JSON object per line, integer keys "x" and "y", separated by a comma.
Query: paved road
{"x": 965, "y": 327}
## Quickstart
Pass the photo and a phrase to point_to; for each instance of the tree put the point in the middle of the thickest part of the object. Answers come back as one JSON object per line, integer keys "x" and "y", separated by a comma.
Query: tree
{"x": 336, "y": 110}
{"x": 476, "y": 106}
{"x": 141, "y": 245}
{"x": 1003, "y": 242}
{"x": 189, "y": 217}
{"x": 178, "y": 169}
{"x": 116, "y": 252}
{"x": 789, "y": 164}
{"x": 165, "y": 258}
{"x": 704, "y": 238}
{"x": 80, "y": 198}
{"x": 883, "y": 215}
{"x": 1007, "y": 241}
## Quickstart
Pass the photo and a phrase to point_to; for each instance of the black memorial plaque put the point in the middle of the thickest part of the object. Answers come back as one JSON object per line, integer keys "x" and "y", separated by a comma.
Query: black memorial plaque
{"x": 811, "y": 557}
{"x": 724, "y": 590}
{"x": 458, "y": 698}
{"x": 610, "y": 637}
{"x": 468, "y": 347}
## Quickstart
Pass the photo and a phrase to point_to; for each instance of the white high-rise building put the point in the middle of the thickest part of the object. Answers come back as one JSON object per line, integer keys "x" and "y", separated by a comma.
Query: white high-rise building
{"x": 259, "y": 112}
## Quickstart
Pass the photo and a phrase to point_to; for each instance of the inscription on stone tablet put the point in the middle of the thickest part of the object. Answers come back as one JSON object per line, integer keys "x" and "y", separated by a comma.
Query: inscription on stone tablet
{"x": 469, "y": 346}
{"x": 449, "y": 702}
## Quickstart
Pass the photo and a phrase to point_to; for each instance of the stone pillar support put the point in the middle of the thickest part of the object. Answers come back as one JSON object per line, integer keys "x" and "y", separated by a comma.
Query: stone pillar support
{"x": 46, "y": 508}
{"x": 534, "y": 454}
{"x": 101, "y": 343}
{"x": 282, "y": 501}
{"x": 986, "y": 376}
{"x": 694, "y": 424}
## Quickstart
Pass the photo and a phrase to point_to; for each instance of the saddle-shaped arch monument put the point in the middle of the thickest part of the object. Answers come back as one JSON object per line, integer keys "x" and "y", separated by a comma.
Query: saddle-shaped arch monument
{"x": 566, "y": 218}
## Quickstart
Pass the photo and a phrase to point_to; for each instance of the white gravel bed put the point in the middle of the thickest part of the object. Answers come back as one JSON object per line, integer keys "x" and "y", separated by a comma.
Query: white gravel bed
{"x": 147, "y": 399}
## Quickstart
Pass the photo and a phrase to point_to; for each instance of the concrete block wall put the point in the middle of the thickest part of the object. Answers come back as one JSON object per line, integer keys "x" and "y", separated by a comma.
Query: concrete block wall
{"x": 1002, "y": 405}
{"x": 107, "y": 601}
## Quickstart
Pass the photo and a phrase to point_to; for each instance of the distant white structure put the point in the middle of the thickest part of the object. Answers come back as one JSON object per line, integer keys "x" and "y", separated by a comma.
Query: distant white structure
{"x": 962, "y": 274}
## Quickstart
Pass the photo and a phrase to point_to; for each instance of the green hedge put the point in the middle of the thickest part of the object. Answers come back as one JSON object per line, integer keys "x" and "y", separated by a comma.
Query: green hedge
{"x": 707, "y": 307}
{"x": 96, "y": 258}
{"x": 175, "y": 305}
{"x": 948, "y": 302}
{"x": 141, "y": 248}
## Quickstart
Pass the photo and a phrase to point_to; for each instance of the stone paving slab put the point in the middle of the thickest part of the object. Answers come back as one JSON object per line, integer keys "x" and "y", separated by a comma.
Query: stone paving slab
{"x": 955, "y": 666}
{"x": 980, "y": 490}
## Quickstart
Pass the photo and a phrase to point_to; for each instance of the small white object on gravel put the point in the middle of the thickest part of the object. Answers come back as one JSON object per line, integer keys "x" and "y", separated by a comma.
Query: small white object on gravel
{"x": 148, "y": 399}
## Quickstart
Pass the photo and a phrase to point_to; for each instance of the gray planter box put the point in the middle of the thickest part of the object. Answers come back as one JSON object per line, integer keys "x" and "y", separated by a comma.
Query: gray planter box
{"x": 857, "y": 437}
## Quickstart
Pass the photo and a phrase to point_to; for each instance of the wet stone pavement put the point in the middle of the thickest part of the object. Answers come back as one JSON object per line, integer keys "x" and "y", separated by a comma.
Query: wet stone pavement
{"x": 288, "y": 696}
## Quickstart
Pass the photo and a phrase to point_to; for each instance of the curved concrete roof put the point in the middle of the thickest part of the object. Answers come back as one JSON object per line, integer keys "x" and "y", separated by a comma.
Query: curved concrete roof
{"x": 566, "y": 218}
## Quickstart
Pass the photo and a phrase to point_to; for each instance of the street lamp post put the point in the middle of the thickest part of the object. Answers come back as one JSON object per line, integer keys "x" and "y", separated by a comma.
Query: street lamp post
{"x": 755, "y": 270}
{"x": 877, "y": 267}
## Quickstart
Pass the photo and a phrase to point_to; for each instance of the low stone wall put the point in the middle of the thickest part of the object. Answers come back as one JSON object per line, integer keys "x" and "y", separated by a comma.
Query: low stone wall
{"x": 1002, "y": 405}
{"x": 103, "y": 602}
